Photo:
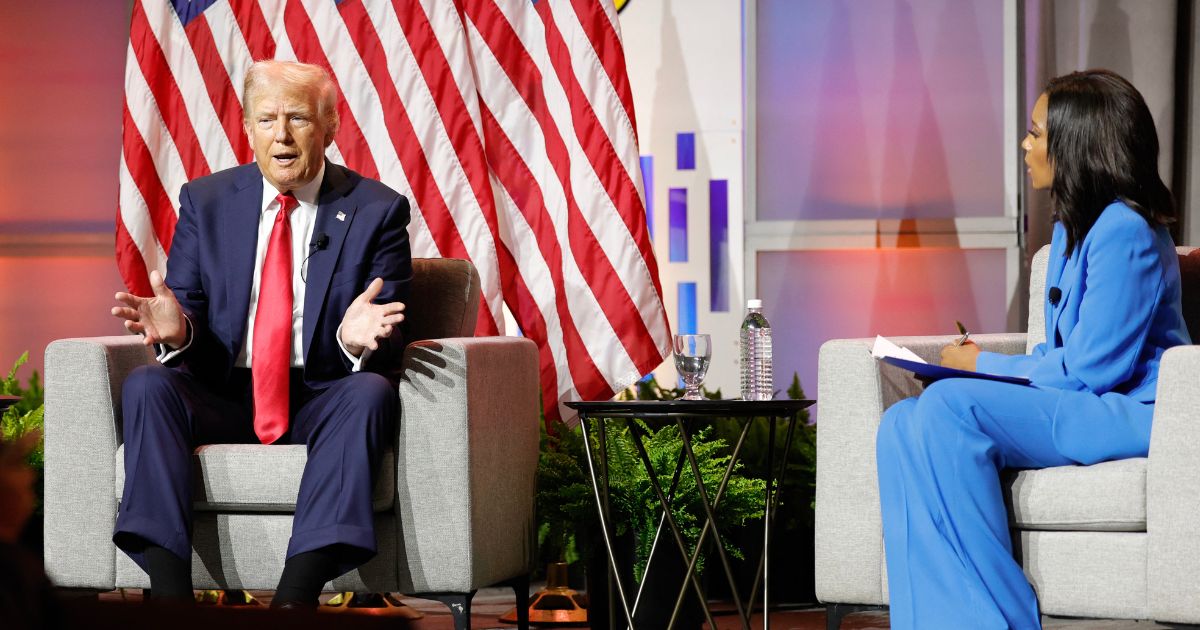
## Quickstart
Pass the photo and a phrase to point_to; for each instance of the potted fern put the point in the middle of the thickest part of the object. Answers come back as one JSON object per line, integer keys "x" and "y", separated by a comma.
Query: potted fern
{"x": 636, "y": 510}
{"x": 17, "y": 421}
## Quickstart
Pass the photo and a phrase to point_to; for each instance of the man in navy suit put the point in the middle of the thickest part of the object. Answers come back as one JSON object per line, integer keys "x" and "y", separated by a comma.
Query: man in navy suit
{"x": 276, "y": 323}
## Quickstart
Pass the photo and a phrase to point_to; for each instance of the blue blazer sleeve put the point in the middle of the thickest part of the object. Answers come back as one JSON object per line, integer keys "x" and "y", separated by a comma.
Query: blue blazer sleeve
{"x": 1096, "y": 336}
{"x": 1010, "y": 364}
{"x": 1119, "y": 285}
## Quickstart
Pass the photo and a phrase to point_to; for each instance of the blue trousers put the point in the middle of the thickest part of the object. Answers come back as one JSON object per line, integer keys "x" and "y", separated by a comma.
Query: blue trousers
{"x": 167, "y": 413}
{"x": 949, "y": 552}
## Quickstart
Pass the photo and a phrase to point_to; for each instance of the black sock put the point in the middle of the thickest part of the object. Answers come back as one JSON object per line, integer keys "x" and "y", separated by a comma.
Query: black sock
{"x": 170, "y": 575}
{"x": 305, "y": 573}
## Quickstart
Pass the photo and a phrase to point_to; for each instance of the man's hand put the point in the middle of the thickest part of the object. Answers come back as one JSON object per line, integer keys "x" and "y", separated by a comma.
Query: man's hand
{"x": 960, "y": 357}
{"x": 158, "y": 319}
{"x": 365, "y": 323}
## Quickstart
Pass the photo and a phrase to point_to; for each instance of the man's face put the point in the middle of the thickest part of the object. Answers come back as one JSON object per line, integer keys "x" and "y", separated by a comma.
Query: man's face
{"x": 288, "y": 137}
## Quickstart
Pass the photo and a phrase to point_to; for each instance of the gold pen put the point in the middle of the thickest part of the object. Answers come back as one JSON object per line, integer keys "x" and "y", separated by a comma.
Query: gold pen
{"x": 962, "y": 330}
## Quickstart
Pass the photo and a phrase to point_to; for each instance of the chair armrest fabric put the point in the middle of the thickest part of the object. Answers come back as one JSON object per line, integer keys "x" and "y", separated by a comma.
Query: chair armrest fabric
{"x": 466, "y": 462}
{"x": 82, "y": 433}
{"x": 853, "y": 391}
{"x": 1173, "y": 490}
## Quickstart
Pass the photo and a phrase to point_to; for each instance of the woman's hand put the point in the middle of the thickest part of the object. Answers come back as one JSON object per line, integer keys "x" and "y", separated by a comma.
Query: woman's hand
{"x": 960, "y": 357}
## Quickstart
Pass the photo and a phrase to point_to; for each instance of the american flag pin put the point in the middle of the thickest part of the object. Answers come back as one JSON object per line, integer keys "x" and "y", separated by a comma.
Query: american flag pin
{"x": 341, "y": 216}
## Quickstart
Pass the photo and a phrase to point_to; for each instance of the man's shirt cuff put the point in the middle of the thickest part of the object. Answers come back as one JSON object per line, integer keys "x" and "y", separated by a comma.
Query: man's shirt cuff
{"x": 356, "y": 363}
{"x": 166, "y": 353}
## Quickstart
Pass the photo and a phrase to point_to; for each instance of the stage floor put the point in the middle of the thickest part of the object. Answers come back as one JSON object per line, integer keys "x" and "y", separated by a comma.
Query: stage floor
{"x": 490, "y": 603}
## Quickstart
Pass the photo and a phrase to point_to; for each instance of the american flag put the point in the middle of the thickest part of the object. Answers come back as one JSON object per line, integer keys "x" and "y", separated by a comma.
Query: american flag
{"x": 508, "y": 124}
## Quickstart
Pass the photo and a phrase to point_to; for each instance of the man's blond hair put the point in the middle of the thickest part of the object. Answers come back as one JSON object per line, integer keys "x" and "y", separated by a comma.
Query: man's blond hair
{"x": 302, "y": 75}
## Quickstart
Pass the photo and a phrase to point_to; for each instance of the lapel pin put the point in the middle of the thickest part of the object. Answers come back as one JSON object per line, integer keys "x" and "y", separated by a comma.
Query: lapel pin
{"x": 341, "y": 216}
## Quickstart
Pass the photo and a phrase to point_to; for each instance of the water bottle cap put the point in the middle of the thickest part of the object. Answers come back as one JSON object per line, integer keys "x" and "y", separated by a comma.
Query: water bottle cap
{"x": 753, "y": 303}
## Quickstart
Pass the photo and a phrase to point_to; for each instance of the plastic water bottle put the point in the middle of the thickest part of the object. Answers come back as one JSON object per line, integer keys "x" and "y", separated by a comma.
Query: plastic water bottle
{"x": 758, "y": 381}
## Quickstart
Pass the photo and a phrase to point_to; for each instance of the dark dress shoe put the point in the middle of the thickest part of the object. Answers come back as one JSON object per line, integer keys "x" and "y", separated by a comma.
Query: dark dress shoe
{"x": 293, "y": 605}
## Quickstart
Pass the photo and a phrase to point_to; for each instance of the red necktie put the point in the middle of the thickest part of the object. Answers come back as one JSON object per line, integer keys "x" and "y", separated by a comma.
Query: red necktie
{"x": 272, "y": 351}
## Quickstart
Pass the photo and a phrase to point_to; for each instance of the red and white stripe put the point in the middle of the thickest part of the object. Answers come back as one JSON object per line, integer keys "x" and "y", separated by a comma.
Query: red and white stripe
{"x": 509, "y": 125}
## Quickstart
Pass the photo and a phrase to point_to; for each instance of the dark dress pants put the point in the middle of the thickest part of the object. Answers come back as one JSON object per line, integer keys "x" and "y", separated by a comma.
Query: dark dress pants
{"x": 167, "y": 413}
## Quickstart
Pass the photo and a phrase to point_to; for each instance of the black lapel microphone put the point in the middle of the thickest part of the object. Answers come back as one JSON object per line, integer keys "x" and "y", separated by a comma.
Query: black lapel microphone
{"x": 1055, "y": 295}
{"x": 321, "y": 243}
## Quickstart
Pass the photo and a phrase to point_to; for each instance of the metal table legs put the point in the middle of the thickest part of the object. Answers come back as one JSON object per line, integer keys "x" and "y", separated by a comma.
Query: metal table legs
{"x": 599, "y": 470}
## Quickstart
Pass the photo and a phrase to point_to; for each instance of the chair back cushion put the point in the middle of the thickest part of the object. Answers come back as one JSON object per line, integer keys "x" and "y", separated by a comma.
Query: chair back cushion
{"x": 1189, "y": 271}
{"x": 443, "y": 299}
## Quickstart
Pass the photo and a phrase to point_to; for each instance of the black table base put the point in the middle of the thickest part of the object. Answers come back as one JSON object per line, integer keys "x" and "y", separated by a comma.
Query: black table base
{"x": 680, "y": 411}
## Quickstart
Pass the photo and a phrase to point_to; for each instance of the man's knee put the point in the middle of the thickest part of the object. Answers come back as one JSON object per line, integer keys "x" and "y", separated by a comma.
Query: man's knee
{"x": 150, "y": 378}
{"x": 370, "y": 393}
{"x": 148, "y": 384}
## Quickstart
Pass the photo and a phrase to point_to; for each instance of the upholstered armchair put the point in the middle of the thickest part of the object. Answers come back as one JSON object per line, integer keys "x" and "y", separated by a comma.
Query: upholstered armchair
{"x": 454, "y": 500}
{"x": 1119, "y": 539}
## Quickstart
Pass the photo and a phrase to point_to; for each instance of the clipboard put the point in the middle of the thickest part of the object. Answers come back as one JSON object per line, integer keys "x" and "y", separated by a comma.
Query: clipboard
{"x": 933, "y": 372}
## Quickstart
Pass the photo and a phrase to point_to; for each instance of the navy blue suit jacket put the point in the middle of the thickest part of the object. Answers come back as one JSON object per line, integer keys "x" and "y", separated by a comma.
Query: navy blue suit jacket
{"x": 211, "y": 267}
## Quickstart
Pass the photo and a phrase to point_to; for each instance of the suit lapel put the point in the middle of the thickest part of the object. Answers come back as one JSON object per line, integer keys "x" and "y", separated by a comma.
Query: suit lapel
{"x": 335, "y": 213}
{"x": 1068, "y": 278}
{"x": 239, "y": 229}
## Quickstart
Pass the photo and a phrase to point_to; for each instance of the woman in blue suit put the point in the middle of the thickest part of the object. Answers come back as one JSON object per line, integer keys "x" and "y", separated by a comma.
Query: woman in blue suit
{"x": 1112, "y": 310}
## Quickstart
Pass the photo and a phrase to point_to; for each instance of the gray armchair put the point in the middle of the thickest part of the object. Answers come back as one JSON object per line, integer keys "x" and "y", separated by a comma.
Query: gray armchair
{"x": 454, "y": 499}
{"x": 1119, "y": 539}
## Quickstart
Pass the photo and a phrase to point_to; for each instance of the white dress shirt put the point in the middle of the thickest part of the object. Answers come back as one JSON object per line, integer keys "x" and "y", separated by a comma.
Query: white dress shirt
{"x": 302, "y": 221}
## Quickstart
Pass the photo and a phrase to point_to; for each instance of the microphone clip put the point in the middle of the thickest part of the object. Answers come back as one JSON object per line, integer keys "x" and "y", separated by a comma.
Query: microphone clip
{"x": 1055, "y": 294}
{"x": 320, "y": 243}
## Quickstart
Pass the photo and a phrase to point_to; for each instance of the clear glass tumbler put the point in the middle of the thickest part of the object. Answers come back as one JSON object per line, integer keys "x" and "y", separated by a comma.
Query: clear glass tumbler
{"x": 692, "y": 355}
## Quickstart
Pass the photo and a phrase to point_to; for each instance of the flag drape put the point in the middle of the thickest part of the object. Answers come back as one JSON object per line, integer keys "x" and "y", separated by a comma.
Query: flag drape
{"x": 509, "y": 124}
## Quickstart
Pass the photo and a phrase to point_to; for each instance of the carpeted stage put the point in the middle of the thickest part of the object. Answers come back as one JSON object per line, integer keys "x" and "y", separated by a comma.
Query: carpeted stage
{"x": 126, "y": 610}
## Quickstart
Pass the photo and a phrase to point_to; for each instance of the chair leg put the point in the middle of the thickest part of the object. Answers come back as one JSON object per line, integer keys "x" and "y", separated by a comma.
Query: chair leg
{"x": 834, "y": 613}
{"x": 459, "y": 604}
{"x": 520, "y": 586}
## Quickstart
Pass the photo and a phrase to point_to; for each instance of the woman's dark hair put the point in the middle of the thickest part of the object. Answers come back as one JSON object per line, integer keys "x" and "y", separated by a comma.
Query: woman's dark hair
{"x": 1102, "y": 146}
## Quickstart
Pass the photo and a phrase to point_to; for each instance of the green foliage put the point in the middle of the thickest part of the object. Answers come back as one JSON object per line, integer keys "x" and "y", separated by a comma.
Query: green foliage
{"x": 566, "y": 508}
{"x": 635, "y": 504}
{"x": 28, "y": 414}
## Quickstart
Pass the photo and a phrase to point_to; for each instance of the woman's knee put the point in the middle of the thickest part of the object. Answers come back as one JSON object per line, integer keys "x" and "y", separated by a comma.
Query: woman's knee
{"x": 891, "y": 427}
{"x": 945, "y": 407}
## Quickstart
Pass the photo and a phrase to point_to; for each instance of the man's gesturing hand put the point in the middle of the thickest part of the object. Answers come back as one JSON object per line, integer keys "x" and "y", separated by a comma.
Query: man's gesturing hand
{"x": 365, "y": 323}
{"x": 158, "y": 319}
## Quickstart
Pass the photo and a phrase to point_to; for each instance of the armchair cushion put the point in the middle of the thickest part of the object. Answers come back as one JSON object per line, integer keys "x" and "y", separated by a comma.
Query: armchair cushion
{"x": 257, "y": 478}
{"x": 1110, "y": 497}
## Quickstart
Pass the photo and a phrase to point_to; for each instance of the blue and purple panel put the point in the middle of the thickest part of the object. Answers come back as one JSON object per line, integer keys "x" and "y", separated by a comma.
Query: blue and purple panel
{"x": 718, "y": 245}
{"x": 648, "y": 185}
{"x": 685, "y": 151}
{"x": 687, "y": 309}
{"x": 813, "y": 296}
{"x": 677, "y": 210}
{"x": 880, "y": 110}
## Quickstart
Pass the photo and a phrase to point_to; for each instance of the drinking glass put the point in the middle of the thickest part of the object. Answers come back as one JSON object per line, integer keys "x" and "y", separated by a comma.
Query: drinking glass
{"x": 692, "y": 354}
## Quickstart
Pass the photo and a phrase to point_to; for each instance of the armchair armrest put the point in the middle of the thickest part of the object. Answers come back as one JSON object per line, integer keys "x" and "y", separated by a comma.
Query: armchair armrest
{"x": 82, "y": 432}
{"x": 467, "y": 462}
{"x": 1173, "y": 490}
{"x": 853, "y": 391}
